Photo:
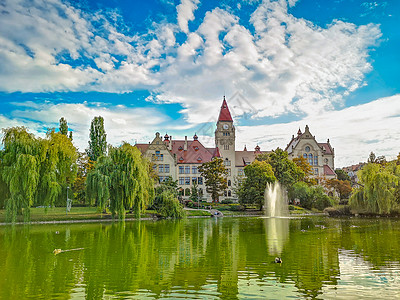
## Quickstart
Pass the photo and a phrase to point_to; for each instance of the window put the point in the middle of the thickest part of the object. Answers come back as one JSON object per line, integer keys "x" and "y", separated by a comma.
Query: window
{"x": 155, "y": 167}
{"x": 229, "y": 172}
{"x": 181, "y": 180}
{"x": 181, "y": 170}
{"x": 310, "y": 159}
{"x": 316, "y": 171}
{"x": 166, "y": 169}
{"x": 305, "y": 155}
{"x": 160, "y": 179}
{"x": 316, "y": 160}
{"x": 187, "y": 170}
{"x": 225, "y": 194}
{"x": 226, "y": 147}
{"x": 159, "y": 156}
{"x": 229, "y": 193}
{"x": 200, "y": 180}
{"x": 229, "y": 183}
{"x": 194, "y": 180}
{"x": 227, "y": 162}
{"x": 160, "y": 168}
{"x": 240, "y": 172}
{"x": 194, "y": 169}
{"x": 187, "y": 180}
{"x": 307, "y": 149}
{"x": 180, "y": 148}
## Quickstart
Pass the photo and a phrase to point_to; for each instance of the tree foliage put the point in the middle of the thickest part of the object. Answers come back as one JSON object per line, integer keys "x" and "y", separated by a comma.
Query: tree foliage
{"x": 309, "y": 196}
{"x": 342, "y": 175}
{"x": 252, "y": 188}
{"x": 303, "y": 164}
{"x": 35, "y": 171}
{"x": 166, "y": 202}
{"x": 342, "y": 187}
{"x": 63, "y": 126}
{"x": 97, "y": 139}
{"x": 285, "y": 170}
{"x": 84, "y": 167}
{"x": 378, "y": 190}
{"x": 122, "y": 178}
{"x": 214, "y": 173}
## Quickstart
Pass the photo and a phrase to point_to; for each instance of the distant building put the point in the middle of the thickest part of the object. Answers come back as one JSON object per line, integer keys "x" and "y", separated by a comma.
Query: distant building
{"x": 180, "y": 159}
{"x": 353, "y": 170}
{"x": 321, "y": 156}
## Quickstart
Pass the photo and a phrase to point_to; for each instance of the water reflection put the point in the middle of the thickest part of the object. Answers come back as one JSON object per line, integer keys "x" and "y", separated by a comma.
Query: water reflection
{"x": 228, "y": 259}
{"x": 277, "y": 230}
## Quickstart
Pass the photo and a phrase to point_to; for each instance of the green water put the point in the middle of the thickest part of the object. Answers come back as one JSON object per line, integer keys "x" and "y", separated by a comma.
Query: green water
{"x": 227, "y": 258}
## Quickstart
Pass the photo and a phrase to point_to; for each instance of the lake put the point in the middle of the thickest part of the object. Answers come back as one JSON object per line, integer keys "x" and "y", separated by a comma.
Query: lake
{"x": 212, "y": 258}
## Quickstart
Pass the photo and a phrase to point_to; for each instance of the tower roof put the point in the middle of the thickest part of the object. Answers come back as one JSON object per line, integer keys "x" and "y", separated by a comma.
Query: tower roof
{"x": 224, "y": 114}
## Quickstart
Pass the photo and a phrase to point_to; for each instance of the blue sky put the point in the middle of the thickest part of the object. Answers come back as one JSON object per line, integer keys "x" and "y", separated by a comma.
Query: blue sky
{"x": 165, "y": 65}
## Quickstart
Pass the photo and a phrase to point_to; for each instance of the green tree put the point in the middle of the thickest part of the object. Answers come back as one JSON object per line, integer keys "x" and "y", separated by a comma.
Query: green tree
{"x": 19, "y": 168}
{"x": 214, "y": 173}
{"x": 377, "y": 192}
{"x": 122, "y": 177}
{"x": 310, "y": 196}
{"x": 84, "y": 165}
{"x": 97, "y": 142}
{"x": 285, "y": 170}
{"x": 342, "y": 175}
{"x": 63, "y": 126}
{"x": 57, "y": 169}
{"x": 252, "y": 189}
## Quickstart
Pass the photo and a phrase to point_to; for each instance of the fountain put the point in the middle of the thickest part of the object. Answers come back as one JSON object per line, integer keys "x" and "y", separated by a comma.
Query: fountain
{"x": 275, "y": 201}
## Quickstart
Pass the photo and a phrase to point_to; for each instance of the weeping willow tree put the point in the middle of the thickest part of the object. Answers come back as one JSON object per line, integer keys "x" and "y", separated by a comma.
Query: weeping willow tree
{"x": 33, "y": 170}
{"x": 19, "y": 170}
{"x": 121, "y": 179}
{"x": 58, "y": 169}
{"x": 377, "y": 192}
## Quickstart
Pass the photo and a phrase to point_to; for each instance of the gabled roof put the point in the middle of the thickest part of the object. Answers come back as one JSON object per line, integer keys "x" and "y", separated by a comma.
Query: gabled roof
{"x": 328, "y": 171}
{"x": 327, "y": 147}
{"x": 224, "y": 114}
{"x": 196, "y": 153}
{"x": 142, "y": 147}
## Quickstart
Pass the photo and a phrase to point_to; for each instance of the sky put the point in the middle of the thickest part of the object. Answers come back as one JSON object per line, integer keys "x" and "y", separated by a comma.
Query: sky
{"x": 165, "y": 66}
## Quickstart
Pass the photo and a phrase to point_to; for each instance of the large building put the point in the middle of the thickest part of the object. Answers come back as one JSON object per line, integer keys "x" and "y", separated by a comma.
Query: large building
{"x": 321, "y": 156}
{"x": 180, "y": 159}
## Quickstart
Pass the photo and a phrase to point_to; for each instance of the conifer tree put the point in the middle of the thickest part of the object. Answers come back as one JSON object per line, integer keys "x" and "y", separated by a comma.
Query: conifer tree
{"x": 97, "y": 142}
{"x": 63, "y": 126}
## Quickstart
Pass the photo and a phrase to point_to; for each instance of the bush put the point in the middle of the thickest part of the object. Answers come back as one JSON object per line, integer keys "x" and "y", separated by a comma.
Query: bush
{"x": 167, "y": 205}
{"x": 236, "y": 207}
{"x": 227, "y": 201}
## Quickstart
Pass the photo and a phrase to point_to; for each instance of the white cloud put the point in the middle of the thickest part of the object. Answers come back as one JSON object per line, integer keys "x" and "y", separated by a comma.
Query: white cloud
{"x": 354, "y": 131}
{"x": 185, "y": 12}
{"x": 121, "y": 123}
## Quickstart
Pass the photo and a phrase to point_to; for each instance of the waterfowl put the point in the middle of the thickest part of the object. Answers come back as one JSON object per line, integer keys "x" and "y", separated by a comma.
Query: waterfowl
{"x": 278, "y": 260}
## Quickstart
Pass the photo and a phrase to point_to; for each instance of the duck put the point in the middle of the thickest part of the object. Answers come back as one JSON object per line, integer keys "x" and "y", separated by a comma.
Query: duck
{"x": 57, "y": 251}
{"x": 278, "y": 260}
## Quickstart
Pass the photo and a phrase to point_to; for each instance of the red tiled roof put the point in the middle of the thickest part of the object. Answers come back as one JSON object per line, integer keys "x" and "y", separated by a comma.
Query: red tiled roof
{"x": 142, "y": 147}
{"x": 328, "y": 171}
{"x": 224, "y": 114}
{"x": 327, "y": 147}
{"x": 196, "y": 153}
{"x": 216, "y": 153}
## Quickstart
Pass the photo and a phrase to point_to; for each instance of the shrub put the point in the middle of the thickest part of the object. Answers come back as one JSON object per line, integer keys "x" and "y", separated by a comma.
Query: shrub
{"x": 227, "y": 201}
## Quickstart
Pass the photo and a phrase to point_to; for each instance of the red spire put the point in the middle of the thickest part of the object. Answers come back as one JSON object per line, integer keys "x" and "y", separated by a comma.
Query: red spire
{"x": 216, "y": 153}
{"x": 224, "y": 114}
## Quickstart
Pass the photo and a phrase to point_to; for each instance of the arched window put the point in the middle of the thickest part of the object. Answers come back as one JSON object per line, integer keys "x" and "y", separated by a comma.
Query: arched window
{"x": 305, "y": 155}
{"x": 229, "y": 183}
{"x": 229, "y": 193}
{"x": 225, "y": 193}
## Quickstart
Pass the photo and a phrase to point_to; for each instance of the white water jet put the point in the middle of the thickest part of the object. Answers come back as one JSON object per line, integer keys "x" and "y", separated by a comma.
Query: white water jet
{"x": 276, "y": 204}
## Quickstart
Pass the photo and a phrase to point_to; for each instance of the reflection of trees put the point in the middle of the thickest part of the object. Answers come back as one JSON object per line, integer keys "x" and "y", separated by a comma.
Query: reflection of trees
{"x": 203, "y": 256}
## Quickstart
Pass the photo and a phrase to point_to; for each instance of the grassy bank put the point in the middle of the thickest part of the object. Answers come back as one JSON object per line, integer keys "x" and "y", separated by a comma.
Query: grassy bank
{"x": 92, "y": 213}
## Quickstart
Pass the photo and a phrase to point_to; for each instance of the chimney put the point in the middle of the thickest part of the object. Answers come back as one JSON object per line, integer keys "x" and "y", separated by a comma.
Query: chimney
{"x": 185, "y": 145}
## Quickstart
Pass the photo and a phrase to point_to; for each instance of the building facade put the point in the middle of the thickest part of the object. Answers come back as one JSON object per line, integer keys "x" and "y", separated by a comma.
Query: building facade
{"x": 321, "y": 156}
{"x": 180, "y": 159}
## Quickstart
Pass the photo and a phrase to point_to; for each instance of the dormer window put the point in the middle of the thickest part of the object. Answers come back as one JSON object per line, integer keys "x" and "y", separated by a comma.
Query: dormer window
{"x": 196, "y": 148}
{"x": 199, "y": 159}
{"x": 180, "y": 148}
{"x": 181, "y": 159}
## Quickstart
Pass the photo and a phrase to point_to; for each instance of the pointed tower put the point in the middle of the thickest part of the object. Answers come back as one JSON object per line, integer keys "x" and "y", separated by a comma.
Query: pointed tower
{"x": 225, "y": 139}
